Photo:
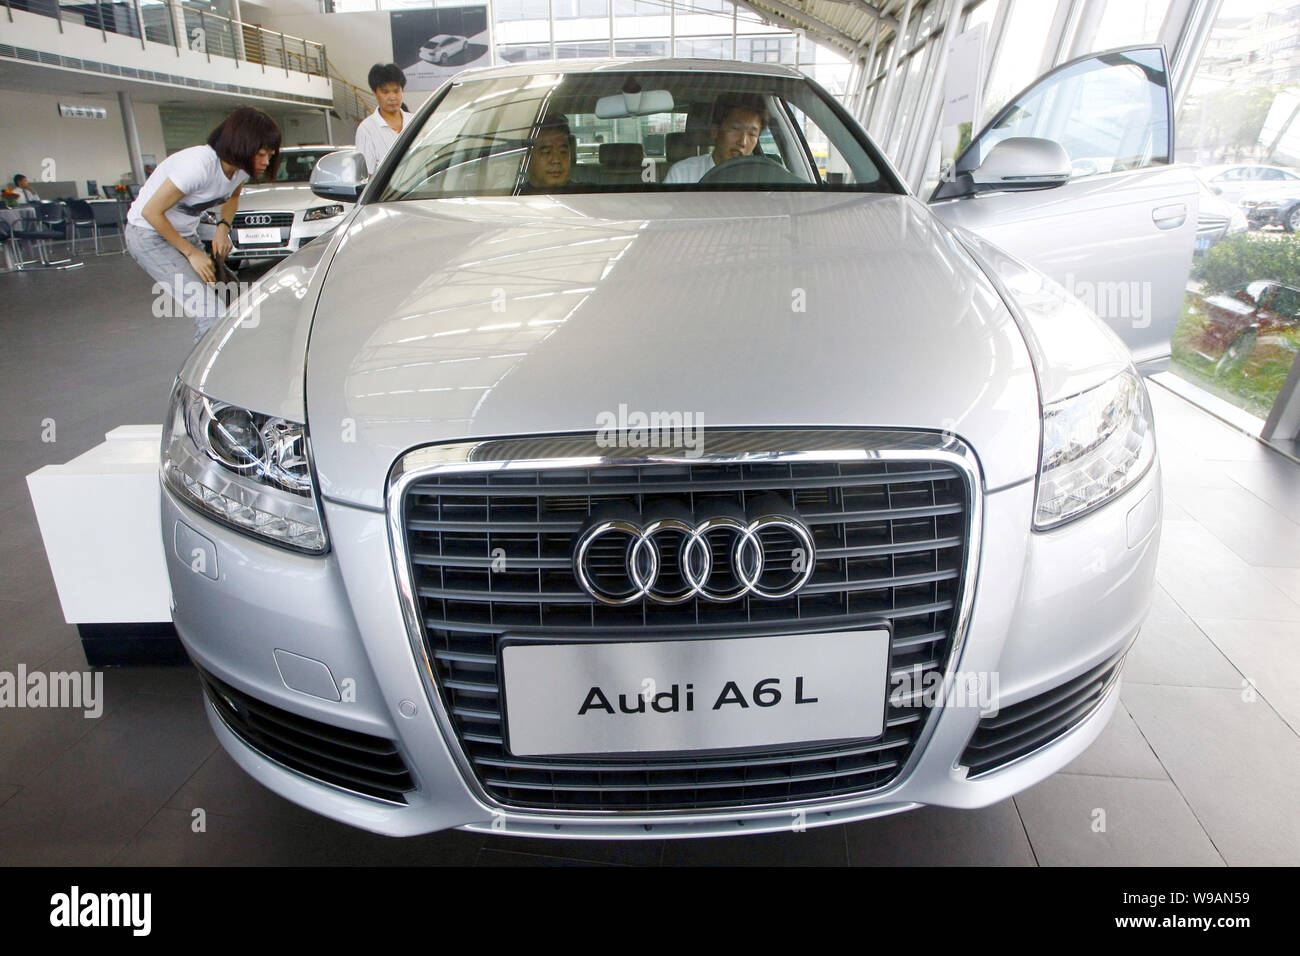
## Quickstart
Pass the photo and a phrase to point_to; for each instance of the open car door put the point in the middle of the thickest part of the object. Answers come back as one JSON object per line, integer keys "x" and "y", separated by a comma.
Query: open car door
{"x": 1111, "y": 218}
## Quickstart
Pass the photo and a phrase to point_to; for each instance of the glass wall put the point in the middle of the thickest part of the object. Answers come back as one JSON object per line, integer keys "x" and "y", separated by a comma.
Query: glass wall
{"x": 1240, "y": 123}
{"x": 525, "y": 30}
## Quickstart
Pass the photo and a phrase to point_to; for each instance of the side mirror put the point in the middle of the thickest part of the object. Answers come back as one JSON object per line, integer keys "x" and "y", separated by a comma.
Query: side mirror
{"x": 1217, "y": 190}
{"x": 1023, "y": 162}
{"x": 341, "y": 175}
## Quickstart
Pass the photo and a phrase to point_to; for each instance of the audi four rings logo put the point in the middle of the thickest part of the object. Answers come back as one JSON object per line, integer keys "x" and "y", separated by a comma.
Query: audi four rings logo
{"x": 670, "y": 560}
{"x": 255, "y": 220}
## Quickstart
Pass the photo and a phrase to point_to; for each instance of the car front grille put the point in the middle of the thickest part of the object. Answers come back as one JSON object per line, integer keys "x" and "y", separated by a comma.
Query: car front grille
{"x": 489, "y": 553}
{"x": 342, "y": 758}
{"x": 1022, "y": 728}
{"x": 1211, "y": 227}
{"x": 281, "y": 219}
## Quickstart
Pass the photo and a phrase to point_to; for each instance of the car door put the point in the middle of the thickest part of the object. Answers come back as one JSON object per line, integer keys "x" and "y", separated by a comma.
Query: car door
{"x": 1119, "y": 232}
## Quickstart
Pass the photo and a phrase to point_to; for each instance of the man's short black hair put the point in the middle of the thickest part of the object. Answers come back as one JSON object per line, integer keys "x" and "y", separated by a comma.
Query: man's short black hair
{"x": 381, "y": 74}
{"x": 555, "y": 121}
{"x": 18, "y": 176}
{"x": 726, "y": 103}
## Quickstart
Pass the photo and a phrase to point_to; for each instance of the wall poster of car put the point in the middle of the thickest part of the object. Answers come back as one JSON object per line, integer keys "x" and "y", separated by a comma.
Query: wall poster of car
{"x": 431, "y": 45}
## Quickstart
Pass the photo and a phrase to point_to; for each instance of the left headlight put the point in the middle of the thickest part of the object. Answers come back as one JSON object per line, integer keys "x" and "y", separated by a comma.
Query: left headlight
{"x": 1095, "y": 445}
{"x": 322, "y": 212}
{"x": 245, "y": 469}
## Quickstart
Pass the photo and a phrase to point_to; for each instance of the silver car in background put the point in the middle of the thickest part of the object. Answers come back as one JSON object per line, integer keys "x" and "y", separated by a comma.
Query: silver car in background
{"x": 593, "y": 505}
{"x": 277, "y": 219}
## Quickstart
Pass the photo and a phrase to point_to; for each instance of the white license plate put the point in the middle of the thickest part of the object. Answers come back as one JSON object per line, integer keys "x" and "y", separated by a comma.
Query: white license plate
{"x": 248, "y": 237}
{"x": 694, "y": 694}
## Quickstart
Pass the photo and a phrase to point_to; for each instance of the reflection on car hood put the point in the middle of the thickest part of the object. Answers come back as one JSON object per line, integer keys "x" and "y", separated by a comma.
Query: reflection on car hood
{"x": 279, "y": 196}
{"x": 441, "y": 320}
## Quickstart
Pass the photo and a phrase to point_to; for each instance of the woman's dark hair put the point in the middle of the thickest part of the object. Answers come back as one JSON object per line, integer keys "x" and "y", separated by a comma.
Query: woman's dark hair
{"x": 244, "y": 132}
{"x": 382, "y": 73}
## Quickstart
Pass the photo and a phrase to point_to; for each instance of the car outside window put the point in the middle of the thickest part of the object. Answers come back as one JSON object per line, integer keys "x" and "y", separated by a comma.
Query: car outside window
{"x": 1109, "y": 113}
{"x": 626, "y": 131}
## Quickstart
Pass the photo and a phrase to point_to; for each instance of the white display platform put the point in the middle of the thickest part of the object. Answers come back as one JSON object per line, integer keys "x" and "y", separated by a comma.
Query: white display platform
{"x": 99, "y": 519}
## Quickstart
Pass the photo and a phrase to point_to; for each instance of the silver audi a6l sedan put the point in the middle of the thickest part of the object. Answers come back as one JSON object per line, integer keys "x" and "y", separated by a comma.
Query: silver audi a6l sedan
{"x": 698, "y": 495}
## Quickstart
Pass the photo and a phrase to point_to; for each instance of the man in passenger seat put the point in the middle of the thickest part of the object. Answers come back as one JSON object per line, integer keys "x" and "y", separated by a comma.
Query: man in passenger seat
{"x": 738, "y": 122}
{"x": 550, "y": 160}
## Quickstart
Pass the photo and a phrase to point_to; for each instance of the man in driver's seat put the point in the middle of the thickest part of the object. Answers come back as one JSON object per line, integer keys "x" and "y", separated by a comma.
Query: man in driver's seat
{"x": 737, "y": 125}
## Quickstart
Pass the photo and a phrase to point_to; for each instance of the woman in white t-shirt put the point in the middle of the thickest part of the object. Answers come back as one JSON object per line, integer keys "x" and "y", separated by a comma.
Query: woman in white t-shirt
{"x": 162, "y": 223}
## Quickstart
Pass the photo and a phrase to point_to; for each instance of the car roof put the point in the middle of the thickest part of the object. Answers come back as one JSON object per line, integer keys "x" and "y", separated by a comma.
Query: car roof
{"x": 620, "y": 64}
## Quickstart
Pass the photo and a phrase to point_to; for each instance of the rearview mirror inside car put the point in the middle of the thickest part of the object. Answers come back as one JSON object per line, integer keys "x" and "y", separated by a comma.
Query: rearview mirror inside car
{"x": 643, "y": 103}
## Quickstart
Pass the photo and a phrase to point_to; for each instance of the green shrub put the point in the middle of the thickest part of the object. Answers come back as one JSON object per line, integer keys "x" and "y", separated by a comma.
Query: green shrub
{"x": 1245, "y": 258}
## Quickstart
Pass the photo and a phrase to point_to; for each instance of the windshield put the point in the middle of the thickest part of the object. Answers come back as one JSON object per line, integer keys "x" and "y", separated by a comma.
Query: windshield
{"x": 633, "y": 131}
{"x": 296, "y": 166}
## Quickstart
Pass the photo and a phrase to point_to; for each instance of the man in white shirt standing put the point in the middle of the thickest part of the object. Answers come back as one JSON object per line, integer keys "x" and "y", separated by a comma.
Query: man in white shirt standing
{"x": 737, "y": 125}
{"x": 378, "y": 131}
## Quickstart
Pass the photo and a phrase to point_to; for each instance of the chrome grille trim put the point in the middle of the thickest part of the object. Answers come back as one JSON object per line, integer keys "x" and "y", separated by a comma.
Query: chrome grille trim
{"x": 727, "y": 447}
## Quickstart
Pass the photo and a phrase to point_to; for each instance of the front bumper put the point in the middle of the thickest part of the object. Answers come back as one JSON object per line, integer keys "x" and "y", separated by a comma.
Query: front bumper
{"x": 292, "y": 238}
{"x": 1047, "y": 608}
{"x": 1266, "y": 215}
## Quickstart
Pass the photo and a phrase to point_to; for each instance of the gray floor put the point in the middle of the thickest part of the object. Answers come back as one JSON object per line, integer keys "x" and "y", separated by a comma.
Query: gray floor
{"x": 1200, "y": 766}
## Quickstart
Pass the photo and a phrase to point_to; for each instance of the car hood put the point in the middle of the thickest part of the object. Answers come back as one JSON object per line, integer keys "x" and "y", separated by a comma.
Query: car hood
{"x": 279, "y": 196}
{"x": 493, "y": 317}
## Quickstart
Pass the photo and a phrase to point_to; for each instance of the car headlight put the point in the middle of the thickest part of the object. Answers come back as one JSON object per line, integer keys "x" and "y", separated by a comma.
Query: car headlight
{"x": 1095, "y": 445}
{"x": 242, "y": 468}
{"x": 210, "y": 216}
{"x": 323, "y": 212}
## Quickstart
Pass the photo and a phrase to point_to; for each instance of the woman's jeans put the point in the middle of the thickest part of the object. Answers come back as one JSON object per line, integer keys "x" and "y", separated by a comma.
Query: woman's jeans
{"x": 174, "y": 276}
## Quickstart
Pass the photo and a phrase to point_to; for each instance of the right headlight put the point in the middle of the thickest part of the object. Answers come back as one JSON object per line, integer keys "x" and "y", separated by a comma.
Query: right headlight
{"x": 323, "y": 212}
{"x": 245, "y": 469}
{"x": 1095, "y": 445}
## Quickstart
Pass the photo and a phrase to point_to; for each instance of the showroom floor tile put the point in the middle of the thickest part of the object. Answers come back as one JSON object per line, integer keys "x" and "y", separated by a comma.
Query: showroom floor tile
{"x": 939, "y": 836}
{"x": 1267, "y": 653}
{"x": 1208, "y": 580}
{"x": 1081, "y": 820}
{"x": 1120, "y": 751}
{"x": 1188, "y": 772}
{"x": 1171, "y": 649}
{"x": 1234, "y": 760}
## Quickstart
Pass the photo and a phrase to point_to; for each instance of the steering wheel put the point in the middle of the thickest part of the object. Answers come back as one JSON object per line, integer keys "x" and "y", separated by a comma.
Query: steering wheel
{"x": 750, "y": 170}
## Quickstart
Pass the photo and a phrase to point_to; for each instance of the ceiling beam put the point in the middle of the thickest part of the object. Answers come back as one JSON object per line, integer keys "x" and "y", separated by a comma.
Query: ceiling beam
{"x": 876, "y": 12}
{"x": 796, "y": 19}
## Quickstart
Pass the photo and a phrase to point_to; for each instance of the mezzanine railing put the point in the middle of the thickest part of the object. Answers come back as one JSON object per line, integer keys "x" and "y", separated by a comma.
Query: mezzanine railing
{"x": 175, "y": 23}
